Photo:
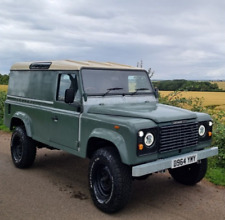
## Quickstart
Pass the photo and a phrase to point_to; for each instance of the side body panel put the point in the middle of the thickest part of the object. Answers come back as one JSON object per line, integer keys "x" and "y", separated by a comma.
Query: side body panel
{"x": 35, "y": 104}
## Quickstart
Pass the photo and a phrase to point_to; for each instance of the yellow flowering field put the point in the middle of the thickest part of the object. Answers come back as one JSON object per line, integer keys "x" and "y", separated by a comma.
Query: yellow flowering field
{"x": 4, "y": 88}
{"x": 221, "y": 85}
{"x": 209, "y": 98}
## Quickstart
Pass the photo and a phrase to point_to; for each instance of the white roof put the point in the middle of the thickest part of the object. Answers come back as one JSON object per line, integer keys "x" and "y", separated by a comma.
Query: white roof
{"x": 70, "y": 65}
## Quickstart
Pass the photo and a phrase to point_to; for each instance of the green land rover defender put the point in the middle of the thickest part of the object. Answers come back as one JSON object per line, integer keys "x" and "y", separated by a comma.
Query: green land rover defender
{"x": 109, "y": 113}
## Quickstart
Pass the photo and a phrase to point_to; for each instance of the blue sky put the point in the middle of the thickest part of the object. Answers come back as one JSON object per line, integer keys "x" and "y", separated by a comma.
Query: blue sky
{"x": 178, "y": 39}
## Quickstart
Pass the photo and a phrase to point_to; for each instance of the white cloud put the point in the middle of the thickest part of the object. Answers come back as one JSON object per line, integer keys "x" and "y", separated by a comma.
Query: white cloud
{"x": 216, "y": 73}
{"x": 178, "y": 39}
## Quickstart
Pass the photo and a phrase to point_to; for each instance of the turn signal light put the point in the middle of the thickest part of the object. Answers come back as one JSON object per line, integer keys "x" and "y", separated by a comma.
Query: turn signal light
{"x": 140, "y": 146}
{"x": 116, "y": 127}
{"x": 210, "y": 133}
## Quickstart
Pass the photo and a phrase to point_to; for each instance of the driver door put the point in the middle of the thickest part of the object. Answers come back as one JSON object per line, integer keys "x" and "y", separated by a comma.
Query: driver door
{"x": 65, "y": 117}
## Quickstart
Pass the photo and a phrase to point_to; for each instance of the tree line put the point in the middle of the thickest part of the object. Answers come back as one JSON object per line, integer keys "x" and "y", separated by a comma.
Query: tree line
{"x": 4, "y": 79}
{"x": 186, "y": 85}
{"x": 165, "y": 85}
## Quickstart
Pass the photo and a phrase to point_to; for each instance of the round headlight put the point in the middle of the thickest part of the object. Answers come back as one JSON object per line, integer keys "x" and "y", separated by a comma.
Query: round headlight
{"x": 201, "y": 130}
{"x": 149, "y": 139}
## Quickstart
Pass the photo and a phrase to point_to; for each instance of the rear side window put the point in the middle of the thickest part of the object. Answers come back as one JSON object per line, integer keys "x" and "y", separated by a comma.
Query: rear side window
{"x": 67, "y": 81}
{"x": 35, "y": 85}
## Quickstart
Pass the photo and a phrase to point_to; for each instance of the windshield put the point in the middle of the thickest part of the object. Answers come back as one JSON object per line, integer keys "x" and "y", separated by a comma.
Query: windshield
{"x": 115, "y": 82}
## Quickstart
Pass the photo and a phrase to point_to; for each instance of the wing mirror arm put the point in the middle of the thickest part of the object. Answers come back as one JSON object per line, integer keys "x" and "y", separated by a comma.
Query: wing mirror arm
{"x": 156, "y": 93}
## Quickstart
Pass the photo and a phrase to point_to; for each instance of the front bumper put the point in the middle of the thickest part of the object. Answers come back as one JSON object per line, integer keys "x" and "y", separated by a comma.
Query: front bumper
{"x": 163, "y": 164}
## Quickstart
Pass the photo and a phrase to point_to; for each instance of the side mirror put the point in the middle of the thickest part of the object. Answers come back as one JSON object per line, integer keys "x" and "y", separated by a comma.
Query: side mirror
{"x": 156, "y": 93}
{"x": 69, "y": 96}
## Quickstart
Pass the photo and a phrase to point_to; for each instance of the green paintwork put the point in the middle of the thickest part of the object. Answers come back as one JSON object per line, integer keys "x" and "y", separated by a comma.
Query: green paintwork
{"x": 32, "y": 99}
{"x": 27, "y": 121}
{"x": 113, "y": 137}
{"x": 158, "y": 113}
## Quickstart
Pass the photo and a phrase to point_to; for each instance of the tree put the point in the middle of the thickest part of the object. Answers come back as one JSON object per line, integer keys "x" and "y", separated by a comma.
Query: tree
{"x": 151, "y": 72}
{"x": 185, "y": 85}
{"x": 4, "y": 79}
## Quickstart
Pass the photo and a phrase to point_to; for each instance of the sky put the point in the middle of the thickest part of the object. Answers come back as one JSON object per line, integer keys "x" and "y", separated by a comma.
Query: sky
{"x": 178, "y": 39}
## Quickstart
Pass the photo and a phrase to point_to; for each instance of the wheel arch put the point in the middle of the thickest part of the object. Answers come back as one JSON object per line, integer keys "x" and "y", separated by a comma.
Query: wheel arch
{"x": 21, "y": 119}
{"x": 100, "y": 138}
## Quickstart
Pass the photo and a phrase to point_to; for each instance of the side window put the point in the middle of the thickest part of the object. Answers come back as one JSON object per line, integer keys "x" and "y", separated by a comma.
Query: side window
{"x": 67, "y": 81}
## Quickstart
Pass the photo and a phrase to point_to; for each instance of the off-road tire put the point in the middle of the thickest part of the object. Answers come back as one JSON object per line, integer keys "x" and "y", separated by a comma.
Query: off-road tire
{"x": 109, "y": 180}
{"x": 190, "y": 174}
{"x": 23, "y": 149}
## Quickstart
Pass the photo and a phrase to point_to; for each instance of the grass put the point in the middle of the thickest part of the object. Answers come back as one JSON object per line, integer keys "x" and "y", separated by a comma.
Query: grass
{"x": 3, "y": 88}
{"x": 216, "y": 175}
{"x": 4, "y": 128}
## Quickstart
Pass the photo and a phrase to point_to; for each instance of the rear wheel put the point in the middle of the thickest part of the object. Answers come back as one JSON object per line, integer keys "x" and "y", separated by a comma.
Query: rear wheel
{"x": 190, "y": 174}
{"x": 23, "y": 149}
{"x": 109, "y": 180}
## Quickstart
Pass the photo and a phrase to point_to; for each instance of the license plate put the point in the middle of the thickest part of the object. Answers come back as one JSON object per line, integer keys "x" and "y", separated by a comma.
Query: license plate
{"x": 182, "y": 161}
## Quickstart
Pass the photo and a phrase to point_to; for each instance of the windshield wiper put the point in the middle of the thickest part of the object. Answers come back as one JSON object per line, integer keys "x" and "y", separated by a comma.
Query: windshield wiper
{"x": 111, "y": 89}
{"x": 140, "y": 89}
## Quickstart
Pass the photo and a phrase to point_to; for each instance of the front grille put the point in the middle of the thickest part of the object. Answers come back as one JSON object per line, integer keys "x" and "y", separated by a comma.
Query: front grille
{"x": 178, "y": 136}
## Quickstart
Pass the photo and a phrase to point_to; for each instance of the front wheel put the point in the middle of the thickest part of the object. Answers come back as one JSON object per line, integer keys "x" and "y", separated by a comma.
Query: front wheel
{"x": 109, "y": 180}
{"x": 23, "y": 149}
{"x": 190, "y": 174}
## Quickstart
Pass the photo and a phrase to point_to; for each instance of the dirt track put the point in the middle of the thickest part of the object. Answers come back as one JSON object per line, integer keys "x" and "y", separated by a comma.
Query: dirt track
{"x": 56, "y": 188}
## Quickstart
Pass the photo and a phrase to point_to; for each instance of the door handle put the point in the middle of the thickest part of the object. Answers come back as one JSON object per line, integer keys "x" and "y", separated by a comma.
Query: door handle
{"x": 55, "y": 118}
